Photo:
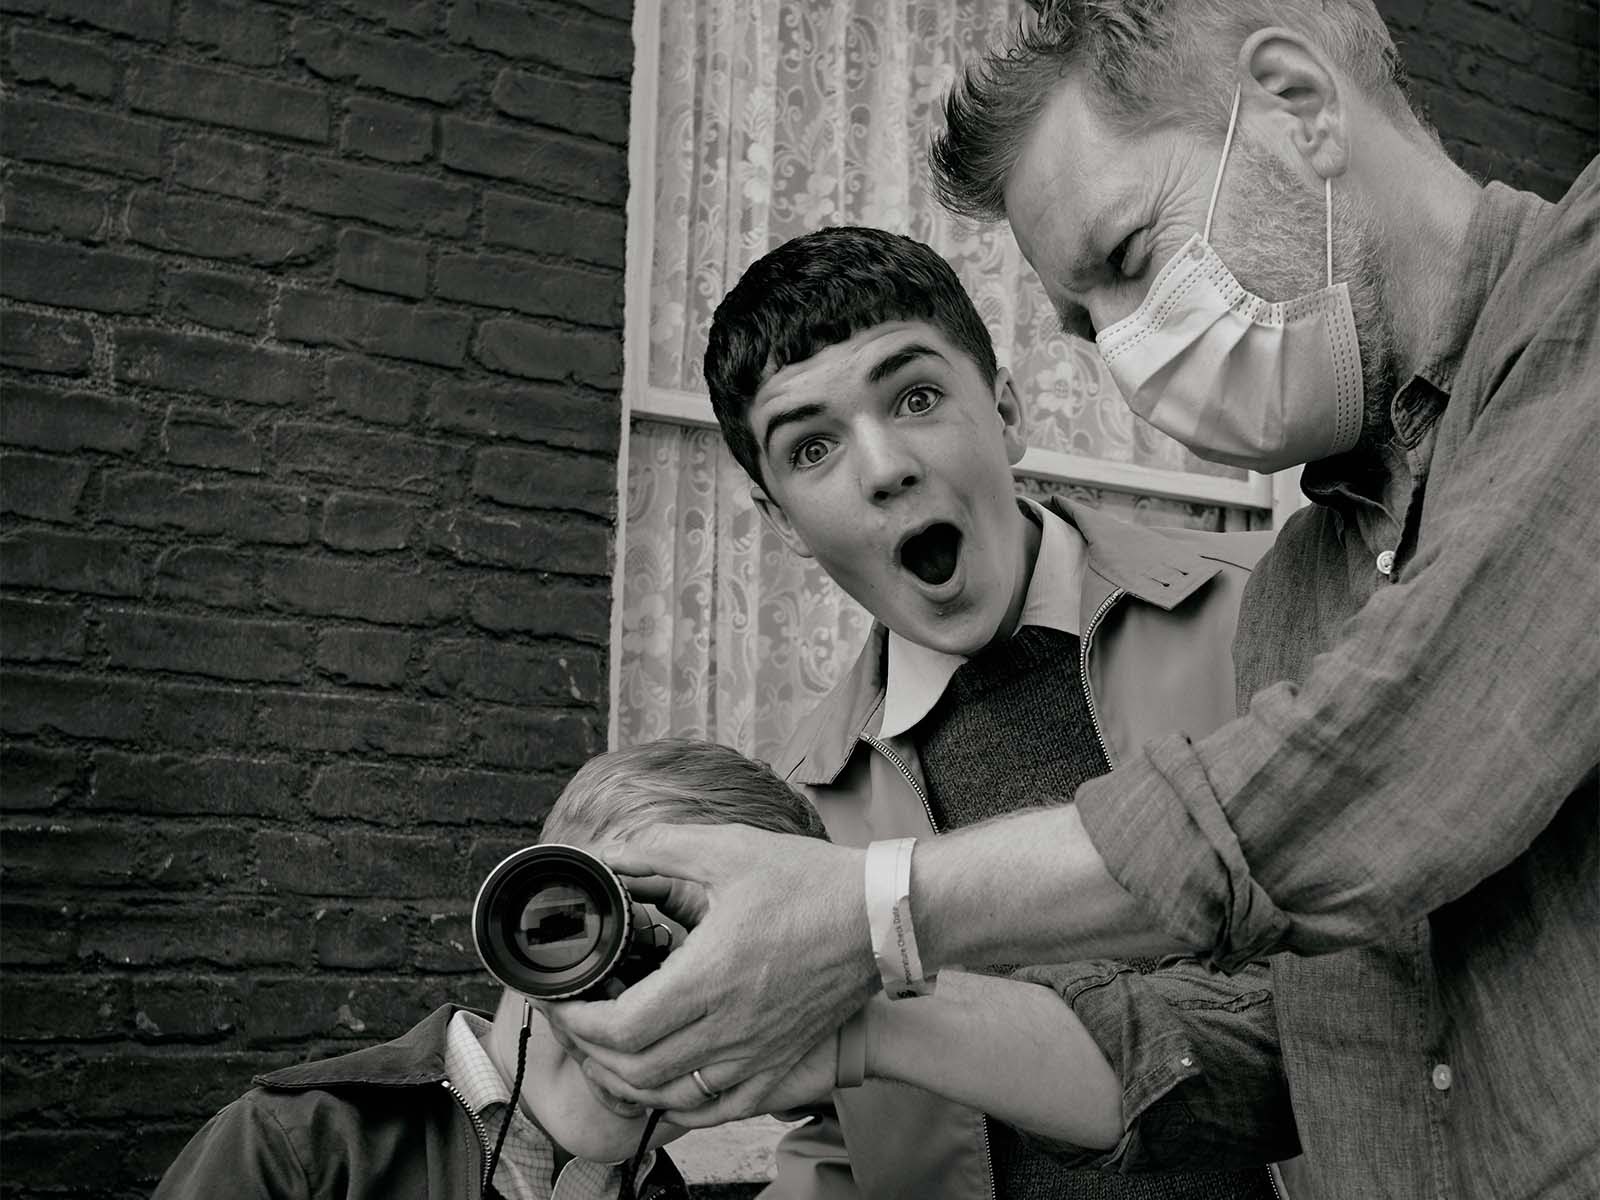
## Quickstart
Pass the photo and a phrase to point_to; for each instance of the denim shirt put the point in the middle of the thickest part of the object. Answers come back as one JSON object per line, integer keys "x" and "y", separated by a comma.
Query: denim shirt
{"x": 1408, "y": 804}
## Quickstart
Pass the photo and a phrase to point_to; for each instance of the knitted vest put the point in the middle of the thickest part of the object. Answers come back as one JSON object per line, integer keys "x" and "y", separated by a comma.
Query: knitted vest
{"x": 1013, "y": 730}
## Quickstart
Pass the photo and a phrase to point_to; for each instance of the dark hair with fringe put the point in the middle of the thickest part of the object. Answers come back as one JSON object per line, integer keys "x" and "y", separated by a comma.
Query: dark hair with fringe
{"x": 816, "y": 291}
{"x": 1146, "y": 64}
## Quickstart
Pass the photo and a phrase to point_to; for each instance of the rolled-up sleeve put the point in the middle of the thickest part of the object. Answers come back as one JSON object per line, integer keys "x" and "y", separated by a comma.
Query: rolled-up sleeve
{"x": 1432, "y": 743}
{"x": 1197, "y": 1055}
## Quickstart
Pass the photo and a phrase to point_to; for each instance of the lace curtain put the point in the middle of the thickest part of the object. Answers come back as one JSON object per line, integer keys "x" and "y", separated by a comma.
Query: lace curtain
{"x": 775, "y": 118}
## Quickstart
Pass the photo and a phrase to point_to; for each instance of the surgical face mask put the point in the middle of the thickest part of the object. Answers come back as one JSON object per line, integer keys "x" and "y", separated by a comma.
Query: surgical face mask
{"x": 1238, "y": 379}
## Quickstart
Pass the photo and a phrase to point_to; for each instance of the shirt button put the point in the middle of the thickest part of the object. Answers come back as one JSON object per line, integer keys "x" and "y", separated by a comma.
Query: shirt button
{"x": 1385, "y": 565}
{"x": 1443, "y": 1077}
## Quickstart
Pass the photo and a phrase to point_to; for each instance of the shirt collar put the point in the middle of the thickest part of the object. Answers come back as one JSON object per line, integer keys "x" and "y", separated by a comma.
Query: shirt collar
{"x": 917, "y": 676}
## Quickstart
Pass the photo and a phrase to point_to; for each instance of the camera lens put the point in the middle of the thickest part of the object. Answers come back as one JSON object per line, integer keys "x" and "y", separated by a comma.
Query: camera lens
{"x": 559, "y": 926}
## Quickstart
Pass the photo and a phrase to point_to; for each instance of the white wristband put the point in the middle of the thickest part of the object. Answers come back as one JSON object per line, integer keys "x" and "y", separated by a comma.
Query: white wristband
{"x": 894, "y": 942}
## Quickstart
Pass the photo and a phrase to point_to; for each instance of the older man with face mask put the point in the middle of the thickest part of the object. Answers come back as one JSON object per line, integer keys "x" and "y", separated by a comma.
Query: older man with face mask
{"x": 1280, "y": 265}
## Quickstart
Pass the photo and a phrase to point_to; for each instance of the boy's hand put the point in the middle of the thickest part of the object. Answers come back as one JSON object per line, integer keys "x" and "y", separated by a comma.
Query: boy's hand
{"x": 779, "y": 956}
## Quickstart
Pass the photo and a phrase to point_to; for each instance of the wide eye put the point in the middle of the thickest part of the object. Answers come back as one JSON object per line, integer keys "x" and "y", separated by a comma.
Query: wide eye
{"x": 920, "y": 399}
{"x": 809, "y": 452}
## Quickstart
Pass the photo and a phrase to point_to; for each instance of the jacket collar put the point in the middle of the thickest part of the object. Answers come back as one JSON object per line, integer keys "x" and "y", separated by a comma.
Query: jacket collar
{"x": 1140, "y": 561}
{"x": 416, "y": 1057}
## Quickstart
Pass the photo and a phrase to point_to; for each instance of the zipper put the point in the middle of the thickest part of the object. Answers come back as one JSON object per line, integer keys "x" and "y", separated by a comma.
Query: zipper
{"x": 887, "y": 751}
{"x": 483, "y": 1134}
{"x": 1272, "y": 1181}
{"x": 1083, "y": 669}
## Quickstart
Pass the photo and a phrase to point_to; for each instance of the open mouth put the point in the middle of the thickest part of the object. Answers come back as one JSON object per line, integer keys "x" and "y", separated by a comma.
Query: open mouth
{"x": 931, "y": 554}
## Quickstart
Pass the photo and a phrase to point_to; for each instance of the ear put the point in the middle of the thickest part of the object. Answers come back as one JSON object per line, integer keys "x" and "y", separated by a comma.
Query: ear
{"x": 1009, "y": 406}
{"x": 1292, "y": 83}
{"x": 778, "y": 521}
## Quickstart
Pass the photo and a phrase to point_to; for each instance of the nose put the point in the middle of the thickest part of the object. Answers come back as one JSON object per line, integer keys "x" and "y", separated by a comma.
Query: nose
{"x": 887, "y": 467}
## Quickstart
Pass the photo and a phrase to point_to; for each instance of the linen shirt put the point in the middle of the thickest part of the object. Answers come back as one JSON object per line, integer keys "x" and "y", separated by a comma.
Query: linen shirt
{"x": 527, "y": 1160}
{"x": 1408, "y": 805}
{"x": 917, "y": 675}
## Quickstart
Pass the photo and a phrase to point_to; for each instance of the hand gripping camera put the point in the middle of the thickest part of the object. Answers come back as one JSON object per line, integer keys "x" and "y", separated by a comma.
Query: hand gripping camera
{"x": 554, "y": 922}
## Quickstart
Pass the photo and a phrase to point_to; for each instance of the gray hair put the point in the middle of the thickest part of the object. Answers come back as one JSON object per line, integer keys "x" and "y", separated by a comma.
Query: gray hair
{"x": 1148, "y": 64}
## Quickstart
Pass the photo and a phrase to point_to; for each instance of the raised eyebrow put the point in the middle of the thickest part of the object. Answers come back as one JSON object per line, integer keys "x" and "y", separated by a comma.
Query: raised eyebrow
{"x": 789, "y": 416}
{"x": 899, "y": 358}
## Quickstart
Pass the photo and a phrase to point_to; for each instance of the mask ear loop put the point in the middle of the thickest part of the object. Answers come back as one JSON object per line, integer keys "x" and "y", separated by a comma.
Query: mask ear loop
{"x": 1327, "y": 203}
{"x": 1216, "y": 186}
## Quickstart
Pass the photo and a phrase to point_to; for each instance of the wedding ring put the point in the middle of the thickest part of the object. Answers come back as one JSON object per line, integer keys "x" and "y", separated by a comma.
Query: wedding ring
{"x": 699, "y": 1081}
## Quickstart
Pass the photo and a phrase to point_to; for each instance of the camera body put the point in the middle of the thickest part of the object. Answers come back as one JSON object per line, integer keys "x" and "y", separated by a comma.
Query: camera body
{"x": 554, "y": 922}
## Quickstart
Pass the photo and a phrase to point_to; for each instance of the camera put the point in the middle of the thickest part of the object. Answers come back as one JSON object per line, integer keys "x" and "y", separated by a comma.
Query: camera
{"x": 554, "y": 922}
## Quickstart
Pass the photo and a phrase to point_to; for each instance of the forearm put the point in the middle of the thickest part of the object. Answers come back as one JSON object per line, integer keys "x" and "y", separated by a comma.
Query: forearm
{"x": 1010, "y": 1049}
{"x": 1028, "y": 888}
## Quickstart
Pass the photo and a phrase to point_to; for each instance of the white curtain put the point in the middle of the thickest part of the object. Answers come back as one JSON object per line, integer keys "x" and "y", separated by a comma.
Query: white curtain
{"x": 775, "y": 118}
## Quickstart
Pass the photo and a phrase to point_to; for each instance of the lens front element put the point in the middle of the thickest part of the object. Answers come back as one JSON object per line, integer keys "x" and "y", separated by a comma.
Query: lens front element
{"x": 559, "y": 927}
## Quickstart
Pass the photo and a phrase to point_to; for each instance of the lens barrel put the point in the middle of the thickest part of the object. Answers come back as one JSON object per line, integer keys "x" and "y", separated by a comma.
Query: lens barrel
{"x": 552, "y": 921}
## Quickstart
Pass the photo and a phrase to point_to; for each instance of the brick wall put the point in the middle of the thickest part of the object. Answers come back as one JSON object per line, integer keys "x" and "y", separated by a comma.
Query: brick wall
{"x": 1513, "y": 86}
{"x": 311, "y": 329}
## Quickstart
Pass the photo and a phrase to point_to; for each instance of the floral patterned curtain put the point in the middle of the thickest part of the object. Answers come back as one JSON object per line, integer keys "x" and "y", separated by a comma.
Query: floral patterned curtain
{"x": 775, "y": 118}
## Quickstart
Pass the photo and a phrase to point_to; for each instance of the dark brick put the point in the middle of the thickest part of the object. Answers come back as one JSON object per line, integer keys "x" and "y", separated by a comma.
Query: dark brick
{"x": 268, "y": 651}
{"x": 594, "y": 235}
{"x": 353, "y": 940}
{"x": 218, "y": 300}
{"x": 202, "y": 718}
{"x": 404, "y": 68}
{"x": 72, "y": 562}
{"x": 65, "y": 856}
{"x": 212, "y": 367}
{"x": 526, "y": 541}
{"x": 342, "y": 724}
{"x": 168, "y": 785}
{"x": 65, "y": 63}
{"x": 543, "y": 289}
{"x": 194, "y": 1083}
{"x": 33, "y": 778}
{"x": 514, "y": 674}
{"x": 78, "y": 137}
{"x": 383, "y": 264}
{"x": 240, "y": 32}
{"x": 361, "y": 864}
{"x": 366, "y": 1008}
{"x": 38, "y": 934}
{"x": 597, "y": 110}
{"x": 52, "y": 273}
{"x": 390, "y": 459}
{"x": 51, "y": 420}
{"x": 391, "y": 132}
{"x": 401, "y": 796}
{"x": 42, "y": 204}
{"x": 411, "y": 16}
{"x": 57, "y": 1007}
{"x": 538, "y": 478}
{"x": 553, "y": 162}
{"x": 34, "y": 485}
{"x": 199, "y": 438}
{"x": 221, "y": 97}
{"x": 42, "y": 1158}
{"x": 391, "y": 329}
{"x": 213, "y": 229}
{"x": 39, "y": 342}
{"x": 414, "y": 203}
{"x": 147, "y": 19}
{"x": 351, "y": 521}
{"x": 219, "y": 935}
{"x": 541, "y": 352}
{"x": 537, "y": 741}
{"x": 373, "y": 392}
{"x": 555, "y": 608}
{"x": 33, "y": 631}
{"x": 186, "y": 1008}
{"x": 445, "y": 944}
{"x": 529, "y": 414}
{"x": 369, "y": 657}
{"x": 547, "y": 33}
{"x": 250, "y": 512}
{"x": 359, "y": 590}
{"x": 221, "y": 578}
{"x": 213, "y": 164}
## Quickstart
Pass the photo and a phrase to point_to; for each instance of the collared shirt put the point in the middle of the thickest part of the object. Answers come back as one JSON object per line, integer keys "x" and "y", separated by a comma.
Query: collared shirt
{"x": 918, "y": 676}
{"x": 1409, "y": 803}
{"x": 527, "y": 1161}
